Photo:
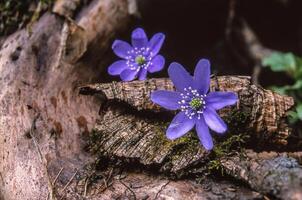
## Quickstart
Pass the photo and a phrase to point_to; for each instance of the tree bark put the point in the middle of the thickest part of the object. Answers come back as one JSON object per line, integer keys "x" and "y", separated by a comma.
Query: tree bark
{"x": 264, "y": 110}
{"x": 273, "y": 174}
{"x": 43, "y": 120}
{"x": 141, "y": 185}
{"x": 37, "y": 78}
{"x": 141, "y": 143}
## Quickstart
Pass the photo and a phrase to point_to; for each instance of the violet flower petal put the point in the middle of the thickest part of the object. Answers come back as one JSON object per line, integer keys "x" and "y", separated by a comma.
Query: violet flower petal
{"x": 218, "y": 100}
{"x": 117, "y": 67}
{"x": 139, "y": 38}
{"x": 128, "y": 75}
{"x": 121, "y": 48}
{"x": 179, "y": 76}
{"x": 158, "y": 63}
{"x": 142, "y": 75}
{"x": 166, "y": 99}
{"x": 202, "y": 76}
{"x": 213, "y": 120}
{"x": 204, "y": 134}
{"x": 179, "y": 126}
{"x": 156, "y": 43}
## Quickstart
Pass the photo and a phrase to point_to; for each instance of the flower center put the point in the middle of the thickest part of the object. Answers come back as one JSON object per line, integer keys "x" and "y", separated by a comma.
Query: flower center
{"x": 140, "y": 60}
{"x": 196, "y": 103}
{"x": 192, "y": 103}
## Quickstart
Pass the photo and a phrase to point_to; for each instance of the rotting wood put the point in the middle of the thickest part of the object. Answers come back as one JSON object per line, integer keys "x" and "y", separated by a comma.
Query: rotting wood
{"x": 141, "y": 143}
{"x": 265, "y": 110}
{"x": 279, "y": 176}
{"x": 123, "y": 135}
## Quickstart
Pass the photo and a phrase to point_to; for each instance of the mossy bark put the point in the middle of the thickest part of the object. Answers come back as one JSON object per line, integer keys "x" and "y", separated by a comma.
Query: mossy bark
{"x": 259, "y": 112}
{"x": 131, "y": 129}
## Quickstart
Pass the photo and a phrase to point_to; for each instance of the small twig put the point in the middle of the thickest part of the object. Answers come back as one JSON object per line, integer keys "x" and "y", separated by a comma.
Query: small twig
{"x": 85, "y": 187}
{"x": 161, "y": 189}
{"x": 67, "y": 184}
{"x": 109, "y": 175}
{"x": 105, "y": 183}
{"x": 105, "y": 188}
{"x": 56, "y": 178}
{"x": 133, "y": 193}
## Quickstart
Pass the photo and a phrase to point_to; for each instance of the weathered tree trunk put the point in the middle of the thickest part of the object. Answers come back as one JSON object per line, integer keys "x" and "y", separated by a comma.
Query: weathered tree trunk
{"x": 264, "y": 111}
{"x": 38, "y": 79}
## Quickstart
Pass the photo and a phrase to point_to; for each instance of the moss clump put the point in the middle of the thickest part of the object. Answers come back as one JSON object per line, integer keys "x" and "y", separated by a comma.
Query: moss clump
{"x": 237, "y": 120}
{"x": 189, "y": 140}
{"x": 231, "y": 145}
{"x": 15, "y": 14}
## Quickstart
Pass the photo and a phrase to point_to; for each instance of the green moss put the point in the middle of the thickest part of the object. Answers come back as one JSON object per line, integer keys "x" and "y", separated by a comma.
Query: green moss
{"x": 15, "y": 14}
{"x": 190, "y": 140}
{"x": 237, "y": 120}
{"x": 231, "y": 145}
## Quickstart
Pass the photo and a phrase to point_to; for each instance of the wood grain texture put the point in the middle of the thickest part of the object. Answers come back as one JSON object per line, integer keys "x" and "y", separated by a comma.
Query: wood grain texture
{"x": 264, "y": 109}
{"x": 140, "y": 142}
{"x": 123, "y": 135}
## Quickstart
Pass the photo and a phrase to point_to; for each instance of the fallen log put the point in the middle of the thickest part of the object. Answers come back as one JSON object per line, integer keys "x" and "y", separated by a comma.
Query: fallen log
{"x": 259, "y": 112}
{"x": 122, "y": 135}
{"x": 279, "y": 176}
{"x": 140, "y": 142}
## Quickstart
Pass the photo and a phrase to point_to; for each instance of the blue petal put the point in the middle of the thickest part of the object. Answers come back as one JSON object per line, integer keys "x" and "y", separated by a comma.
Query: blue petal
{"x": 214, "y": 121}
{"x": 156, "y": 43}
{"x": 158, "y": 63}
{"x": 166, "y": 99}
{"x": 179, "y": 76}
{"x": 179, "y": 126}
{"x": 139, "y": 38}
{"x": 128, "y": 75}
{"x": 117, "y": 67}
{"x": 202, "y": 76}
{"x": 121, "y": 48}
{"x": 142, "y": 74}
{"x": 204, "y": 134}
{"x": 218, "y": 100}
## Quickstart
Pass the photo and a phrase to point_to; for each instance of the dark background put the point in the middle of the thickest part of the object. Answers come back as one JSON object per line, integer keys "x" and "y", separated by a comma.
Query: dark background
{"x": 196, "y": 29}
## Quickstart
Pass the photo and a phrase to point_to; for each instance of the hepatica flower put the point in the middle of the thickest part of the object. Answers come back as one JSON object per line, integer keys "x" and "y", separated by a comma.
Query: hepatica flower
{"x": 197, "y": 106}
{"x": 138, "y": 59}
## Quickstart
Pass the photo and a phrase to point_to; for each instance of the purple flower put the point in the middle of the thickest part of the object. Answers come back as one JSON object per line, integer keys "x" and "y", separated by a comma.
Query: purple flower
{"x": 197, "y": 106}
{"x": 138, "y": 59}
